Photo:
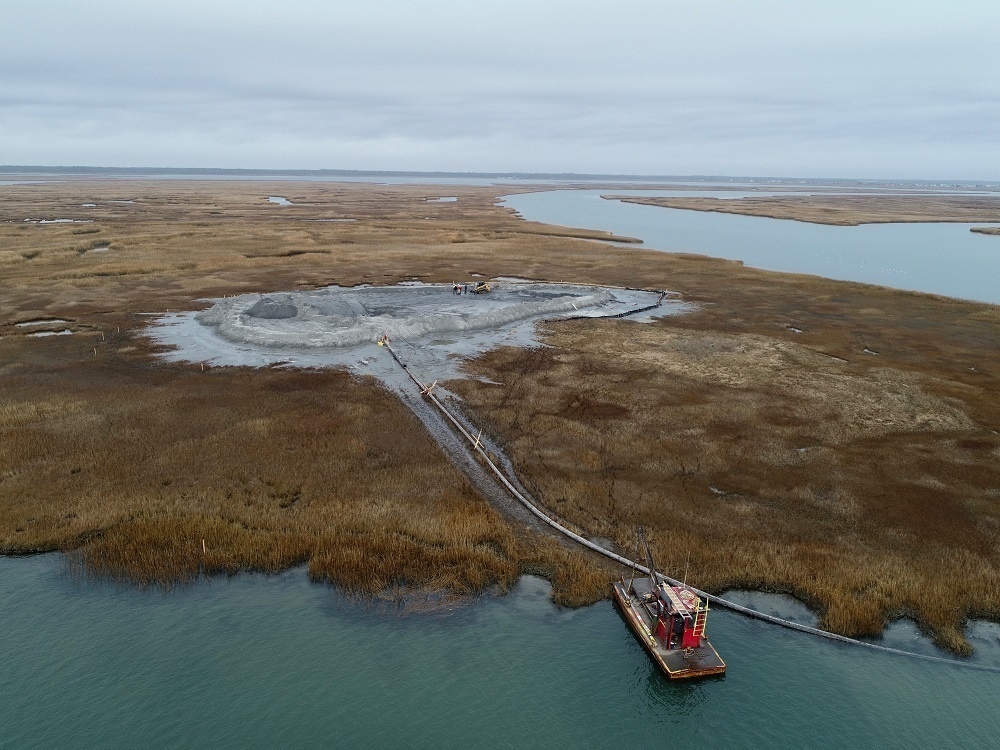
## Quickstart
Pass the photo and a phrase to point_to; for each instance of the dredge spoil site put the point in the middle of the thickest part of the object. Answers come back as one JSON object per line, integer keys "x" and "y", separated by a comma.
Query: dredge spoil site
{"x": 432, "y": 330}
{"x": 427, "y": 328}
{"x": 438, "y": 323}
{"x": 337, "y": 317}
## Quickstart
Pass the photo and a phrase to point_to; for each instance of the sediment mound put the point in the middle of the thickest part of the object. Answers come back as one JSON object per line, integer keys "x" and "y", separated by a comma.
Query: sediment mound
{"x": 338, "y": 317}
{"x": 272, "y": 309}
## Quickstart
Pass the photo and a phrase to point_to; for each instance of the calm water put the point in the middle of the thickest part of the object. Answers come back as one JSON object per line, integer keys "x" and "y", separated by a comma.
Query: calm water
{"x": 940, "y": 258}
{"x": 265, "y": 662}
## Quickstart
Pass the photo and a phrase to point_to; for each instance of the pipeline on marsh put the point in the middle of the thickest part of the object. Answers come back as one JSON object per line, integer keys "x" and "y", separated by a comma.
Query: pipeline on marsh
{"x": 477, "y": 448}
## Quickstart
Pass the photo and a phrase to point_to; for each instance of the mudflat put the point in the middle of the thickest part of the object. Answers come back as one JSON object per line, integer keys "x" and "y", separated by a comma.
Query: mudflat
{"x": 832, "y": 440}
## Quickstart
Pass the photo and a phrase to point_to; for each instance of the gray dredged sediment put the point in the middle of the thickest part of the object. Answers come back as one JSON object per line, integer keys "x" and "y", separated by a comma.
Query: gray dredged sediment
{"x": 341, "y": 318}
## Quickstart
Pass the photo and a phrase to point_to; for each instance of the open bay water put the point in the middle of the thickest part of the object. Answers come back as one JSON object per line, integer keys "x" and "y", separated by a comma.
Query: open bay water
{"x": 940, "y": 258}
{"x": 261, "y": 661}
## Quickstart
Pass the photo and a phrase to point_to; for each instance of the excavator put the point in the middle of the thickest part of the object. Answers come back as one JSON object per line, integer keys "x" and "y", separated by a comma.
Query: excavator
{"x": 481, "y": 287}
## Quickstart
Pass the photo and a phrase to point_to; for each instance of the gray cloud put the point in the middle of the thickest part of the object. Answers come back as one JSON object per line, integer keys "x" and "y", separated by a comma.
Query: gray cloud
{"x": 771, "y": 87}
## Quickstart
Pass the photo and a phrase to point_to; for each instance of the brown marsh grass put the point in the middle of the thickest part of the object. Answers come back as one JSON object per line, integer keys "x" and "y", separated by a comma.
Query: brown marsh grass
{"x": 864, "y": 484}
{"x": 160, "y": 474}
{"x": 844, "y": 210}
{"x": 860, "y": 489}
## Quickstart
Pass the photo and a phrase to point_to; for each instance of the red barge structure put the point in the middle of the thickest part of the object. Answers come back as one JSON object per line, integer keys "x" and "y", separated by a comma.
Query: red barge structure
{"x": 670, "y": 622}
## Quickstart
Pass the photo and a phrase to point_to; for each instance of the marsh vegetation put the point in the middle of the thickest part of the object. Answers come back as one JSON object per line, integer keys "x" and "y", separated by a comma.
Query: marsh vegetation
{"x": 826, "y": 439}
{"x": 844, "y": 210}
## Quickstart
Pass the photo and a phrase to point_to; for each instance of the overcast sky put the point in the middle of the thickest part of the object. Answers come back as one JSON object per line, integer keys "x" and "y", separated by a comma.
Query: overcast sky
{"x": 876, "y": 88}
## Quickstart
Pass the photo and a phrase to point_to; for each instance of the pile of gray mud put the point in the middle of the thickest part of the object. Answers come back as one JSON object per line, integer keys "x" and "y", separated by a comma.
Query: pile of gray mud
{"x": 342, "y": 317}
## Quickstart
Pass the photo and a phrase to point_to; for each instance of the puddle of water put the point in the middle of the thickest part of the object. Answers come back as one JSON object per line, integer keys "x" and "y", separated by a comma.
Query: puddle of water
{"x": 88, "y": 205}
{"x": 123, "y": 201}
{"x": 334, "y": 220}
{"x": 59, "y": 221}
{"x": 99, "y": 249}
{"x": 41, "y": 322}
{"x": 39, "y": 334}
{"x": 279, "y": 201}
{"x": 445, "y": 199}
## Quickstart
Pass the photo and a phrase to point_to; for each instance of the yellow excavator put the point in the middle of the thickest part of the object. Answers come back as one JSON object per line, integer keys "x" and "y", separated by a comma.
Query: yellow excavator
{"x": 481, "y": 287}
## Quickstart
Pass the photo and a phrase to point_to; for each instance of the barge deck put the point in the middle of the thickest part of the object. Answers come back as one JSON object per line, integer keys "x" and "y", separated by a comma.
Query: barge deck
{"x": 640, "y": 603}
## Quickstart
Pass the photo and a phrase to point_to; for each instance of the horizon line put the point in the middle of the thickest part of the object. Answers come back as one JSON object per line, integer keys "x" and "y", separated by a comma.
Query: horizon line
{"x": 521, "y": 175}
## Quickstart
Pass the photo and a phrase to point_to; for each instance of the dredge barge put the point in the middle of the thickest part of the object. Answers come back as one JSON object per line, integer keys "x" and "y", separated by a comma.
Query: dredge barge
{"x": 670, "y": 622}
